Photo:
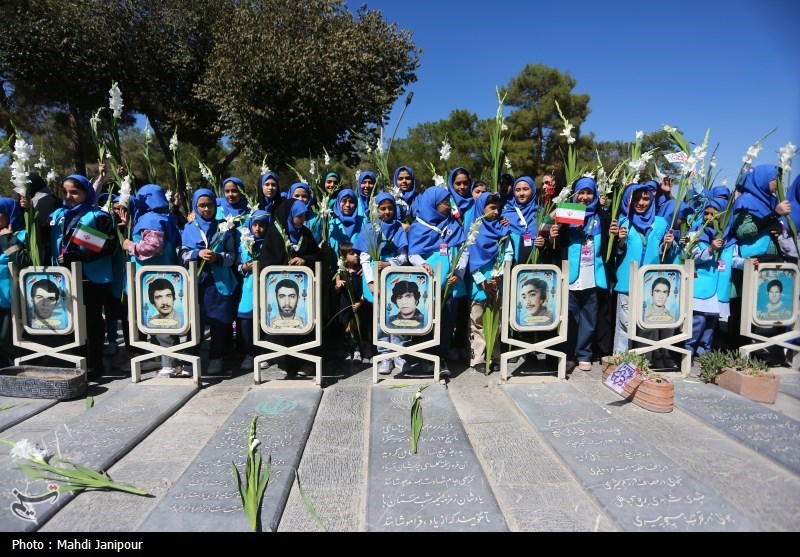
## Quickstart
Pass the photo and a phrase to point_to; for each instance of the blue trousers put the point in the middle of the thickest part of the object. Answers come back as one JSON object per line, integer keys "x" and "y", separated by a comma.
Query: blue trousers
{"x": 582, "y": 324}
{"x": 703, "y": 325}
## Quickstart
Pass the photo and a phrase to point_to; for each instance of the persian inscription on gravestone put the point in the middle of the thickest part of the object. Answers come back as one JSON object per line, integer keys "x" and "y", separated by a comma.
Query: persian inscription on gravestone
{"x": 637, "y": 486}
{"x": 441, "y": 487}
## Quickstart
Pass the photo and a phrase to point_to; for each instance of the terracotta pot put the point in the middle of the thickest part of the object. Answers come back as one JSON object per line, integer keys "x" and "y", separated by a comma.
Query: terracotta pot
{"x": 757, "y": 389}
{"x": 605, "y": 363}
{"x": 648, "y": 394}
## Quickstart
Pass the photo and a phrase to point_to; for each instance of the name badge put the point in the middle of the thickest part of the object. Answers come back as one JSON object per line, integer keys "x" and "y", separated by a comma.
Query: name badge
{"x": 587, "y": 255}
{"x": 721, "y": 266}
{"x": 443, "y": 249}
{"x": 526, "y": 240}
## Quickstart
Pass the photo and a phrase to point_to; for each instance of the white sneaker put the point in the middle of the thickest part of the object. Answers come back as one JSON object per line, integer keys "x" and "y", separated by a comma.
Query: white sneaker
{"x": 356, "y": 355}
{"x": 401, "y": 365}
{"x": 214, "y": 367}
{"x": 166, "y": 372}
{"x": 264, "y": 364}
{"x": 386, "y": 367}
{"x": 247, "y": 363}
{"x": 183, "y": 370}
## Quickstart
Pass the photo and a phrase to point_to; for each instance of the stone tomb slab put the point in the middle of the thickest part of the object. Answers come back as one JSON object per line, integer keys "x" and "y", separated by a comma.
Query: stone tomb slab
{"x": 637, "y": 486}
{"x": 770, "y": 433}
{"x": 97, "y": 439}
{"x": 790, "y": 384}
{"x": 14, "y": 410}
{"x": 206, "y": 498}
{"x": 442, "y": 487}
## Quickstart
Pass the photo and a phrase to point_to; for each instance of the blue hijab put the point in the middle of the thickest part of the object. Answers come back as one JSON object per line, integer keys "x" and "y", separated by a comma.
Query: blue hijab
{"x": 757, "y": 200}
{"x": 349, "y": 222}
{"x": 528, "y": 210}
{"x": 72, "y": 215}
{"x": 264, "y": 202}
{"x": 262, "y": 216}
{"x": 285, "y": 214}
{"x": 421, "y": 238}
{"x": 591, "y": 225}
{"x": 707, "y": 234}
{"x": 10, "y": 208}
{"x": 151, "y": 212}
{"x": 667, "y": 210}
{"x": 793, "y": 196}
{"x": 363, "y": 200}
{"x": 464, "y": 204}
{"x": 410, "y": 195}
{"x": 234, "y": 209}
{"x": 642, "y": 223}
{"x": 391, "y": 231}
{"x": 191, "y": 236}
{"x": 303, "y": 186}
{"x": 485, "y": 247}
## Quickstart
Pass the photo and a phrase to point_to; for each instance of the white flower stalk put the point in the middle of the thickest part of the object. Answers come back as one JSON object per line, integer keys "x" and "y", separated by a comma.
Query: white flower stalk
{"x": 254, "y": 445}
{"x": 265, "y": 169}
{"x": 750, "y": 156}
{"x": 659, "y": 174}
{"x": 508, "y": 164}
{"x": 326, "y": 159}
{"x": 504, "y": 127}
{"x": 786, "y": 153}
{"x": 639, "y": 134}
{"x": 725, "y": 181}
{"x": 19, "y": 177}
{"x": 228, "y": 224}
{"x": 439, "y": 181}
{"x": 247, "y": 240}
{"x": 173, "y": 143}
{"x": 472, "y": 235}
{"x": 379, "y": 146}
{"x": 637, "y": 165}
{"x": 669, "y": 129}
{"x": 125, "y": 190}
{"x": 42, "y": 164}
{"x": 168, "y": 195}
{"x": 147, "y": 136}
{"x": 358, "y": 175}
{"x": 205, "y": 172}
{"x": 567, "y": 132}
{"x": 51, "y": 176}
{"x": 713, "y": 162}
{"x": 23, "y": 151}
{"x": 27, "y": 450}
{"x": 563, "y": 195}
{"x": 444, "y": 152}
{"x": 312, "y": 169}
{"x": 115, "y": 100}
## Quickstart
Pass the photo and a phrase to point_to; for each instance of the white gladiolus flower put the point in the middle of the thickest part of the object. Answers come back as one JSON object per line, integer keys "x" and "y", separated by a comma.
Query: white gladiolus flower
{"x": 23, "y": 151}
{"x": 504, "y": 127}
{"x": 227, "y": 224}
{"x": 115, "y": 102}
{"x": 51, "y": 176}
{"x": 108, "y": 156}
{"x": 168, "y": 195}
{"x": 563, "y": 195}
{"x": 725, "y": 181}
{"x": 646, "y": 156}
{"x": 42, "y": 164}
{"x": 146, "y": 132}
{"x": 639, "y": 134}
{"x": 125, "y": 186}
{"x": 327, "y": 160}
{"x": 439, "y": 181}
{"x": 313, "y": 168}
{"x": 173, "y": 143}
{"x": 508, "y": 164}
{"x": 27, "y": 450}
{"x": 567, "y": 132}
{"x": 254, "y": 445}
{"x": 205, "y": 172}
{"x": 444, "y": 152}
{"x": 472, "y": 235}
{"x": 265, "y": 170}
{"x": 570, "y": 140}
{"x": 786, "y": 153}
{"x": 669, "y": 129}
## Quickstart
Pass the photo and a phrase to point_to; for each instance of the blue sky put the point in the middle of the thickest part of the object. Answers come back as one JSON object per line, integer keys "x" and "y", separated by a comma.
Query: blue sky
{"x": 692, "y": 64}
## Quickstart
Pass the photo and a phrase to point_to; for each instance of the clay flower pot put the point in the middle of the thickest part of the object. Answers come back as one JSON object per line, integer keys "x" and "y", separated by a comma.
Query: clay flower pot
{"x": 656, "y": 396}
{"x": 756, "y": 388}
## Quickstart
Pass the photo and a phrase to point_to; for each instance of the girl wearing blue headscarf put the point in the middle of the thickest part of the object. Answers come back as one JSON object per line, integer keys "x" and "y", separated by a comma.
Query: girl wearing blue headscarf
{"x": 390, "y": 243}
{"x": 233, "y": 201}
{"x": 208, "y": 244}
{"x": 668, "y": 212}
{"x": 289, "y": 242}
{"x": 13, "y": 249}
{"x": 302, "y": 192}
{"x": 787, "y": 243}
{"x": 365, "y": 184}
{"x": 520, "y": 214}
{"x": 80, "y": 209}
{"x": 585, "y": 246}
{"x": 490, "y": 249}
{"x": 249, "y": 248}
{"x": 405, "y": 182}
{"x": 345, "y": 224}
{"x": 460, "y": 183}
{"x": 269, "y": 194}
{"x": 434, "y": 239}
{"x": 641, "y": 237}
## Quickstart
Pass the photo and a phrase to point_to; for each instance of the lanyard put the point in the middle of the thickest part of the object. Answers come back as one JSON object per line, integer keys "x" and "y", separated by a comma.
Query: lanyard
{"x": 440, "y": 231}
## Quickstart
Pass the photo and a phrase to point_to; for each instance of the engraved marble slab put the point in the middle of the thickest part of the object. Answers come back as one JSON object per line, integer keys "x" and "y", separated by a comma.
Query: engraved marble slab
{"x": 635, "y": 484}
{"x": 97, "y": 439}
{"x": 790, "y": 384}
{"x": 14, "y": 410}
{"x": 206, "y": 498}
{"x": 440, "y": 488}
{"x": 772, "y": 434}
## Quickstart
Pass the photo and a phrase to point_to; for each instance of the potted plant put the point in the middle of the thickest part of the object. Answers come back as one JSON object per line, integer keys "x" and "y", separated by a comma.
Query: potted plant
{"x": 645, "y": 388}
{"x": 744, "y": 375}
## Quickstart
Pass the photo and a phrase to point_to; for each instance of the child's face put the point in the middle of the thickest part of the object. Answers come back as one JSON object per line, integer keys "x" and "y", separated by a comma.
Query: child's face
{"x": 461, "y": 184}
{"x": 206, "y": 207}
{"x": 584, "y": 196}
{"x": 301, "y": 194}
{"x": 491, "y": 211}
{"x": 231, "y": 192}
{"x": 523, "y": 192}
{"x": 73, "y": 195}
{"x": 347, "y": 205}
{"x": 641, "y": 202}
{"x": 404, "y": 182}
{"x": 299, "y": 220}
{"x": 709, "y": 213}
{"x": 444, "y": 207}
{"x": 406, "y": 304}
{"x": 386, "y": 211}
{"x": 478, "y": 190}
{"x": 258, "y": 228}
{"x": 366, "y": 186}
{"x": 331, "y": 183}
{"x": 351, "y": 259}
{"x": 270, "y": 188}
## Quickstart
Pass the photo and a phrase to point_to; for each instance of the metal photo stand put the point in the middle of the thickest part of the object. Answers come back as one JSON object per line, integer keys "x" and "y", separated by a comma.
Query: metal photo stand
{"x": 749, "y": 293}
{"x": 415, "y": 350}
{"x": 191, "y": 313}
{"x": 684, "y": 324}
{"x": 78, "y": 333}
{"x": 508, "y": 309}
{"x": 278, "y": 350}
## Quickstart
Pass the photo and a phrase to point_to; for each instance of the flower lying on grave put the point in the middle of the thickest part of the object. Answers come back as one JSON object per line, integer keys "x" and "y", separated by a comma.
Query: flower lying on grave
{"x": 416, "y": 415}
{"x": 72, "y": 477}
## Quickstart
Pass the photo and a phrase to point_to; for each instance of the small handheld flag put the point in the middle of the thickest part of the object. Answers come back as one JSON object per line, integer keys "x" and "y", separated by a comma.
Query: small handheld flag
{"x": 89, "y": 238}
{"x": 570, "y": 213}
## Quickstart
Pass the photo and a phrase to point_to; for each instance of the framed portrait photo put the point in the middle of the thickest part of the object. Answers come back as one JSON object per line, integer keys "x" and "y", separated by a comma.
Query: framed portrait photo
{"x": 405, "y": 301}
{"x": 162, "y": 292}
{"x": 46, "y": 301}
{"x": 535, "y": 297}
{"x": 287, "y": 300}
{"x": 662, "y": 296}
{"x": 776, "y": 300}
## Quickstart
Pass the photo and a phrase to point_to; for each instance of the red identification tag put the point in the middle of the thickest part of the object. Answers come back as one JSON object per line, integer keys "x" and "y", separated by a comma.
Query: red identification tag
{"x": 526, "y": 240}
{"x": 443, "y": 249}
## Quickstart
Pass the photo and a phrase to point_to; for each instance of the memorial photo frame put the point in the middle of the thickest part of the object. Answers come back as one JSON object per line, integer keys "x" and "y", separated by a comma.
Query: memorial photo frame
{"x": 535, "y": 297}
{"x": 662, "y": 296}
{"x": 405, "y": 301}
{"x": 46, "y": 301}
{"x": 287, "y": 300}
{"x": 777, "y": 291}
{"x": 162, "y": 295}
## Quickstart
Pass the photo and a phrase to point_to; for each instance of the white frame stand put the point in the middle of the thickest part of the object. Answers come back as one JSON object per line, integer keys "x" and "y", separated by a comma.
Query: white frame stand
{"x": 78, "y": 315}
{"x": 749, "y": 292}
{"x": 415, "y": 350}
{"x": 278, "y": 349}
{"x": 635, "y": 299}
{"x": 526, "y": 347}
{"x": 192, "y": 309}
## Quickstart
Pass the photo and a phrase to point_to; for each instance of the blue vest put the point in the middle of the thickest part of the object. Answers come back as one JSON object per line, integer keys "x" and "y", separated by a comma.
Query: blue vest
{"x": 246, "y": 301}
{"x": 755, "y": 246}
{"x": 710, "y": 280}
{"x": 459, "y": 289}
{"x": 97, "y": 271}
{"x": 575, "y": 239}
{"x": 5, "y": 275}
{"x": 643, "y": 250}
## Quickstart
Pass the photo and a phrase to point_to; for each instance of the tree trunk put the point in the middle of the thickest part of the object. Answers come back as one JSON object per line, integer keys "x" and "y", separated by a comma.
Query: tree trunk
{"x": 76, "y": 140}
{"x": 225, "y": 161}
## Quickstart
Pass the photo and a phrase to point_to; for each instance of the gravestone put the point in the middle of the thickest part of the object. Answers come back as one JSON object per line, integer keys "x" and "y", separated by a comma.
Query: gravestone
{"x": 14, "y": 410}
{"x": 637, "y": 486}
{"x": 96, "y": 439}
{"x": 440, "y": 488}
{"x": 206, "y": 497}
{"x": 770, "y": 433}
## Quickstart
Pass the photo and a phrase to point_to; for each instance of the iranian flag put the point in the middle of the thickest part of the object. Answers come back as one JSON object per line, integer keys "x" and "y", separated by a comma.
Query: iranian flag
{"x": 570, "y": 213}
{"x": 89, "y": 238}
